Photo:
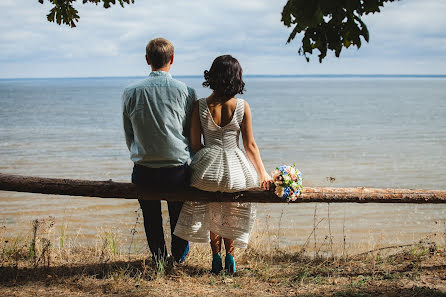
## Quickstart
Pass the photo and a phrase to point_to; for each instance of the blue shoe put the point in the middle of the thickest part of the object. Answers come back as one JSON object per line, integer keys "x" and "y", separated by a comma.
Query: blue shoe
{"x": 229, "y": 264}
{"x": 217, "y": 266}
{"x": 182, "y": 258}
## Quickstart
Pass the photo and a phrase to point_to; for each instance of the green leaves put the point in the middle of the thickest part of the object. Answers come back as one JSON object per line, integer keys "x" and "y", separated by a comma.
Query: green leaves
{"x": 328, "y": 24}
{"x": 63, "y": 11}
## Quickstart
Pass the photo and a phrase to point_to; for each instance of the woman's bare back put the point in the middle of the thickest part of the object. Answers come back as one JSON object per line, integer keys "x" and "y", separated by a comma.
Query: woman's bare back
{"x": 222, "y": 113}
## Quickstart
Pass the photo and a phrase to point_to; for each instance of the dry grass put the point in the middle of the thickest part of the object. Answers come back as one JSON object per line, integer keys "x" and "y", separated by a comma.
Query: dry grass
{"x": 45, "y": 264}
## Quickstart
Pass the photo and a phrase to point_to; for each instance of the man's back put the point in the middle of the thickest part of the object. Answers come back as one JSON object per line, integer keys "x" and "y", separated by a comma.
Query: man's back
{"x": 155, "y": 113}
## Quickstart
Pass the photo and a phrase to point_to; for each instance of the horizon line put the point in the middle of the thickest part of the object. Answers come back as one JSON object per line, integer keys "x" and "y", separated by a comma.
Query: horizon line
{"x": 248, "y": 76}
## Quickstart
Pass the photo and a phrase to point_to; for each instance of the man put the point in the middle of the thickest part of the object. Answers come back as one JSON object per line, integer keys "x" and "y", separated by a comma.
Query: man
{"x": 155, "y": 114}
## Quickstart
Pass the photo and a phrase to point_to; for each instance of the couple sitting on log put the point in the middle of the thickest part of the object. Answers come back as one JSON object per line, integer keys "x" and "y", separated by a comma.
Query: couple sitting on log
{"x": 164, "y": 124}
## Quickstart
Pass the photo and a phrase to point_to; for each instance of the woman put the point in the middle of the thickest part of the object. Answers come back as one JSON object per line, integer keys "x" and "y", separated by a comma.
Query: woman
{"x": 220, "y": 165}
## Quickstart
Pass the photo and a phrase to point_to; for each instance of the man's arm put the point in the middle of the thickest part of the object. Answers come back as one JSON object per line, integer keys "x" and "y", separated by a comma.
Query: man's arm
{"x": 191, "y": 98}
{"x": 128, "y": 129}
{"x": 195, "y": 129}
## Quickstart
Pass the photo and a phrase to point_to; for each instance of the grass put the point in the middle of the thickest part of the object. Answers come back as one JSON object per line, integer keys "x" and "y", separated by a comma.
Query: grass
{"x": 49, "y": 264}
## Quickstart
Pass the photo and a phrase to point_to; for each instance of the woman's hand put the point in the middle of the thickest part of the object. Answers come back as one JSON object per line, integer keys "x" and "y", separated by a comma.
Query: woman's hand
{"x": 265, "y": 180}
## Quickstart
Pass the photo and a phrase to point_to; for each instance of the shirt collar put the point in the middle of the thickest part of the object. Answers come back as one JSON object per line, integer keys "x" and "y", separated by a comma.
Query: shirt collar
{"x": 160, "y": 73}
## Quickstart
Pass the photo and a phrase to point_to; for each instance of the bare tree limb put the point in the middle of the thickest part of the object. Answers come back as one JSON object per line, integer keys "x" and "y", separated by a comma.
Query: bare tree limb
{"x": 110, "y": 189}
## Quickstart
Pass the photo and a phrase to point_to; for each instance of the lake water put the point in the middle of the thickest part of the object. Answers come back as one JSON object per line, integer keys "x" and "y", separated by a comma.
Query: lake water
{"x": 363, "y": 131}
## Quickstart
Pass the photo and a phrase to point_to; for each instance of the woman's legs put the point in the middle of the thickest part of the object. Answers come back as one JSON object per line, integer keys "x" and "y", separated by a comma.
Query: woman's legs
{"x": 229, "y": 246}
{"x": 216, "y": 244}
{"x": 217, "y": 266}
{"x": 229, "y": 259}
{"x": 216, "y": 258}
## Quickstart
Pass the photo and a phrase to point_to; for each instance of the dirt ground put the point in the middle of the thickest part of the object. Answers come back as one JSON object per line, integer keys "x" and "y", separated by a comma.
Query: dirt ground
{"x": 418, "y": 270}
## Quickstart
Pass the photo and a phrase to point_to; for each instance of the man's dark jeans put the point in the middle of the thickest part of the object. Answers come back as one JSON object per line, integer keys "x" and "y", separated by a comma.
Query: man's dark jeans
{"x": 166, "y": 180}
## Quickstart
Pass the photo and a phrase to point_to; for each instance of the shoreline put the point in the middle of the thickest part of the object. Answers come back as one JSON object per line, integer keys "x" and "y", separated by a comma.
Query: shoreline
{"x": 247, "y": 76}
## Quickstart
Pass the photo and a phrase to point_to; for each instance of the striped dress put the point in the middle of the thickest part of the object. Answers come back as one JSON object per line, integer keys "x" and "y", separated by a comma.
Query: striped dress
{"x": 220, "y": 166}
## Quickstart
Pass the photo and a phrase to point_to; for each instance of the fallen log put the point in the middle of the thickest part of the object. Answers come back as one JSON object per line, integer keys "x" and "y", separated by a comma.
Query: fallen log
{"x": 110, "y": 189}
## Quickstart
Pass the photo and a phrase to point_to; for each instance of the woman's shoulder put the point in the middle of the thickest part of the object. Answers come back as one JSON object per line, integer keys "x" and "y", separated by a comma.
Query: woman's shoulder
{"x": 200, "y": 101}
{"x": 244, "y": 103}
{"x": 241, "y": 100}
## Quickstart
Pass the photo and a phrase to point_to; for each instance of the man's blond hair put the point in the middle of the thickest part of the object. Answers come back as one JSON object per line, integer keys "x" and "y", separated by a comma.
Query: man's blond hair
{"x": 159, "y": 51}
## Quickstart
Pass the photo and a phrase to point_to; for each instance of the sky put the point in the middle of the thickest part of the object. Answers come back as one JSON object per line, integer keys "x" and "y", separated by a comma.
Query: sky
{"x": 407, "y": 37}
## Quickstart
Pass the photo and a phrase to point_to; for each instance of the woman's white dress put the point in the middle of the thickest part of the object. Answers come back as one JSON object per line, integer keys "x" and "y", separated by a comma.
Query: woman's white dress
{"x": 220, "y": 166}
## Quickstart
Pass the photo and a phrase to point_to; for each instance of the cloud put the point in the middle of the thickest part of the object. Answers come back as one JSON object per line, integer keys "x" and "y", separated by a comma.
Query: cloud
{"x": 406, "y": 37}
{"x": 409, "y": 28}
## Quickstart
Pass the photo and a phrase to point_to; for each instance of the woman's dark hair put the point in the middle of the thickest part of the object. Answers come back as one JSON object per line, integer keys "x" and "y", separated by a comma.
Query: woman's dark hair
{"x": 225, "y": 77}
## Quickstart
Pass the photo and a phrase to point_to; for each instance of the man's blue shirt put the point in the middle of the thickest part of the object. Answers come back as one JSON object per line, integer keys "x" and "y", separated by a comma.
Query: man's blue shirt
{"x": 156, "y": 114}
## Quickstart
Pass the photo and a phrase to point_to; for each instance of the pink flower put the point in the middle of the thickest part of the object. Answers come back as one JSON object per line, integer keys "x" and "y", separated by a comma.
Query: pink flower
{"x": 275, "y": 174}
{"x": 279, "y": 191}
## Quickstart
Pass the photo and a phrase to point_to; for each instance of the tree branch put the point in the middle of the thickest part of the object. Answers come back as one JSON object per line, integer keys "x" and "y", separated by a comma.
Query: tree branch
{"x": 110, "y": 189}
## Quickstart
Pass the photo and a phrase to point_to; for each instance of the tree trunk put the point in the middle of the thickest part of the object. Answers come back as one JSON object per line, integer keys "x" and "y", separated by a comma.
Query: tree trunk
{"x": 110, "y": 189}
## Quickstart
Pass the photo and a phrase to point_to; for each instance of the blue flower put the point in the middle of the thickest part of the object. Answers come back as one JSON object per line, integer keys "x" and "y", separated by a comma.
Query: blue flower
{"x": 282, "y": 169}
{"x": 286, "y": 192}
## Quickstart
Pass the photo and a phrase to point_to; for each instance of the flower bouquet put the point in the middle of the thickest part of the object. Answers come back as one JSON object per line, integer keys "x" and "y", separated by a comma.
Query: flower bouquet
{"x": 288, "y": 182}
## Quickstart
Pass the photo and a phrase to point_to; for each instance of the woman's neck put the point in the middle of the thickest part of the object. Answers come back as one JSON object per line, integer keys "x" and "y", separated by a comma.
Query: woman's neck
{"x": 217, "y": 98}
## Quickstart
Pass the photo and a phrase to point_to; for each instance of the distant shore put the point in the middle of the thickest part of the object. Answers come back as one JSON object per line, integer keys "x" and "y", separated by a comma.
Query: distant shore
{"x": 247, "y": 76}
